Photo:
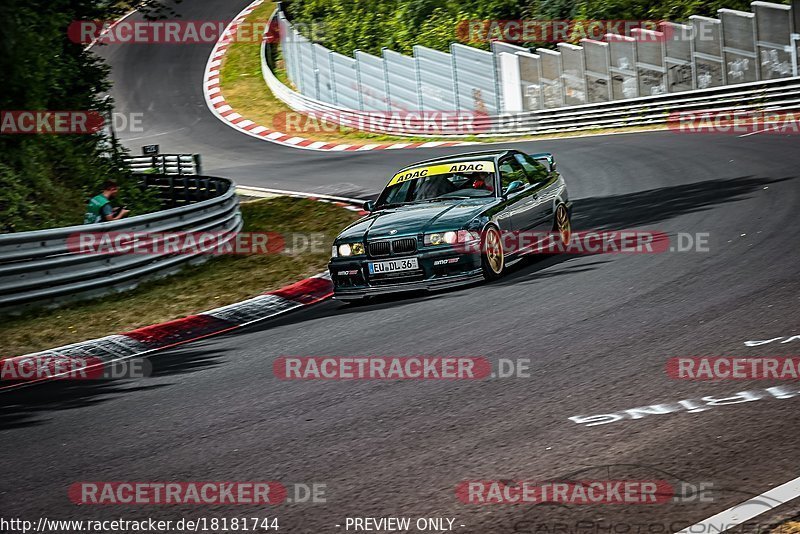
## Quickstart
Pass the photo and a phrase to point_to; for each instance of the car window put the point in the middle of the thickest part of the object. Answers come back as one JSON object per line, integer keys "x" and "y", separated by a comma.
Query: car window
{"x": 467, "y": 184}
{"x": 511, "y": 171}
{"x": 535, "y": 171}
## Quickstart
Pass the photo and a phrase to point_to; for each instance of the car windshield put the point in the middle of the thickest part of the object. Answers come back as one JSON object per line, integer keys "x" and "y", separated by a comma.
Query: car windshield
{"x": 427, "y": 184}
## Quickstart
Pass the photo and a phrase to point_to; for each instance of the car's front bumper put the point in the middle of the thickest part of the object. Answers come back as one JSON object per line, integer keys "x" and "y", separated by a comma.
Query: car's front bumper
{"x": 438, "y": 269}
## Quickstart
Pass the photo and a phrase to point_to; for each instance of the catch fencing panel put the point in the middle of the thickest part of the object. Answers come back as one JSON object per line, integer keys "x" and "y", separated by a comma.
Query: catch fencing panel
{"x": 550, "y": 76}
{"x": 345, "y": 79}
{"x": 510, "y": 85}
{"x": 678, "y": 47}
{"x": 773, "y": 31}
{"x": 530, "y": 78}
{"x": 739, "y": 45}
{"x": 708, "y": 64}
{"x": 650, "y": 68}
{"x": 597, "y": 62}
{"x": 371, "y": 82}
{"x": 288, "y": 37}
{"x": 500, "y": 48}
{"x": 322, "y": 61}
{"x": 475, "y": 79}
{"x": 402, "y": 88}
{"x": 436, "y": 79}
{"x": 623, "y": 66}
{"x": 308, "y": 71}
{"x": 572, "y": 74}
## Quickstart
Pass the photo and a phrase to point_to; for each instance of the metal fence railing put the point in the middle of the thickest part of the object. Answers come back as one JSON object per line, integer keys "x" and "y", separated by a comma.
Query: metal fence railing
{"x": 744, "y": 53}
{"x": 777, "y": 94}
{"x": 166, "y": 164}
{"x": 42, "y": 268}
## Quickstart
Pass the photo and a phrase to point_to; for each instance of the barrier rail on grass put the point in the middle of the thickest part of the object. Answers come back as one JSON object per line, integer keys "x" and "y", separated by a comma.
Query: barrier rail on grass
{"x": 40, "y": 268}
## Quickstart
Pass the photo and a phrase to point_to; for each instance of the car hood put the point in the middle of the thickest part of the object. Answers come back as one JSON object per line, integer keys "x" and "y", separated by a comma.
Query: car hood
{"x": 416, "y": 218}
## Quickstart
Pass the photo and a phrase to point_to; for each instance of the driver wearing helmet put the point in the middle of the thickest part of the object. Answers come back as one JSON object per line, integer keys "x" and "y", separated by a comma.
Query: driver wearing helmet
{"x": 482, "y": 180}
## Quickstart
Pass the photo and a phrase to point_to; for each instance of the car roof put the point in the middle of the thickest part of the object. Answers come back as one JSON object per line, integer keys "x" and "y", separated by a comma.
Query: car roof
{"x": 494, "y": 154}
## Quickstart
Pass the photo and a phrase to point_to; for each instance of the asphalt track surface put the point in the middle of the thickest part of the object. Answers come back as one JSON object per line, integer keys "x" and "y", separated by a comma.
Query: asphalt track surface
{"x": 597, "y": 329}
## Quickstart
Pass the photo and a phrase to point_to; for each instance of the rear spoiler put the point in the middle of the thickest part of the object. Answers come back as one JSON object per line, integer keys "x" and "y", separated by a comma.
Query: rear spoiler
{"x": 546, "y": 158}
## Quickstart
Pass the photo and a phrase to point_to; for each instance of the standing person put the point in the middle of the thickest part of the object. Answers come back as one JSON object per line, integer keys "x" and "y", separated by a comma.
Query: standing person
{"x": 99, "y": 208}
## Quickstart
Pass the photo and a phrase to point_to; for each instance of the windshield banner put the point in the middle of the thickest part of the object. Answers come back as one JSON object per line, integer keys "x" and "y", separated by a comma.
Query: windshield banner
{"x": 446, "y": 168}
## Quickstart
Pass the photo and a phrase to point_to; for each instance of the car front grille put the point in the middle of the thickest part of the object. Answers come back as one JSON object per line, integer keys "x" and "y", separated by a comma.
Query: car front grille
{"x": 403, "y": 245}
{"x": 379, "y": 248}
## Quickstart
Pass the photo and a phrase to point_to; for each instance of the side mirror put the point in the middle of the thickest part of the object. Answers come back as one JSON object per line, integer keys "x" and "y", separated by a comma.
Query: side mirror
{"x": 516, "y": 185}
{"x": 547, "y": 159}
{"x": 369, "y": 205}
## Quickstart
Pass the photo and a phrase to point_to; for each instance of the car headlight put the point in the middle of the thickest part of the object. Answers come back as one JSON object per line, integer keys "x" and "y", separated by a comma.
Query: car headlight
{"x": 450, "y": 237}
{"x": 350, "y": 249}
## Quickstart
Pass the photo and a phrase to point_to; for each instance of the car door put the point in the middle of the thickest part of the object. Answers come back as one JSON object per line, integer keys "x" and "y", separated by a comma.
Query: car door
{"x": 514, "y": 206}
{"x": 539, "y": 195}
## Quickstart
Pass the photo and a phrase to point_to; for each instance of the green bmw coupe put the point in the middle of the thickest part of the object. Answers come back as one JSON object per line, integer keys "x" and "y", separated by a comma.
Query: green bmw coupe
{"x": 445, "y": 222}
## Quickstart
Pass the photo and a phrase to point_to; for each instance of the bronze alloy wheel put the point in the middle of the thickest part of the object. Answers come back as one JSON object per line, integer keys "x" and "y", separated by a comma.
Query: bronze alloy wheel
{"x": 493, "y": 257}
{"x": 562, "y": 224}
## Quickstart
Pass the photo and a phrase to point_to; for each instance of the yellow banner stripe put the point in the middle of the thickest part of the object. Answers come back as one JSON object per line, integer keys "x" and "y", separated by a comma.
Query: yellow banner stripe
{"x": 422, "y": 172}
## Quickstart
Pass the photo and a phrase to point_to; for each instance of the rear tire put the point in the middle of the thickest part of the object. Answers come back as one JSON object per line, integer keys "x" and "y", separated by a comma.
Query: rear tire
{"x": 493, "y": 261}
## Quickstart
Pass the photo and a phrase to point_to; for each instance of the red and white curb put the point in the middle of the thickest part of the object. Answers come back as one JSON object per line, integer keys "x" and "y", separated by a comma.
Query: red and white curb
{"x": 222, "y": 110}
{"x": 114, "y": 348}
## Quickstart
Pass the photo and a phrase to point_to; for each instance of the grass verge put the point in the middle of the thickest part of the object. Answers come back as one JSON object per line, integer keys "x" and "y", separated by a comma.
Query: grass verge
{"x": 243, "y": 86}
{"x": 217, "y": 282}
{"x": 245, "y": 90}
{"x": 790, "y": 527}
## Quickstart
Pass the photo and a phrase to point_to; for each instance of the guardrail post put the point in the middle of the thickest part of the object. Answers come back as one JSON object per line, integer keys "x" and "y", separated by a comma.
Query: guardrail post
{"x": 455, "y": 77}
{"x": 794, "y": 38}
{"x": 172, "y": 200}
{"x": 418, "y": 82}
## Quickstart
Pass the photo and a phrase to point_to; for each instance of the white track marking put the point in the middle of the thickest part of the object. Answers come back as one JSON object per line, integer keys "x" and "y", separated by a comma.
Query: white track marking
{"x": 747, "y": 510}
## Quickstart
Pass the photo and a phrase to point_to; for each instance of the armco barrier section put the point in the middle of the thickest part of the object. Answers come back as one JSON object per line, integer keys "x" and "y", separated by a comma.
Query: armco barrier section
{"x": 39, "y": 268}
{"x": 777, "y": 94}
{"x": 166, "y": 163}
{"x": 736, "y": 48}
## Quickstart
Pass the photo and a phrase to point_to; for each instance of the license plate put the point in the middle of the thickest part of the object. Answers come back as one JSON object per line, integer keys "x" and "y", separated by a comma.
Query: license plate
{"x": 380, "y": 267}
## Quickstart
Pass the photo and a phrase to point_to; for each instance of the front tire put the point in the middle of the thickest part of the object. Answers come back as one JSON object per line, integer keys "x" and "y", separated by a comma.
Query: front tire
{"x": 493, "y": 259}
{"x": 562, "y": 225}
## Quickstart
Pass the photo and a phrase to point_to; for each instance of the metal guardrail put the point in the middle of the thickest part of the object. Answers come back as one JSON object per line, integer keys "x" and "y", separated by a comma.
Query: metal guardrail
{"x": 39, "y": 268}
{"x": 166, "y": 164}
{"x": 779, "y": 94}
{"x": 759, "y": 79}
{"x": 737, "y": 47}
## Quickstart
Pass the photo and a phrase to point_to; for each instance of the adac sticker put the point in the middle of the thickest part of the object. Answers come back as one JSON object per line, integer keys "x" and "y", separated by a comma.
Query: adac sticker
{"x": 422, "y": 172}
